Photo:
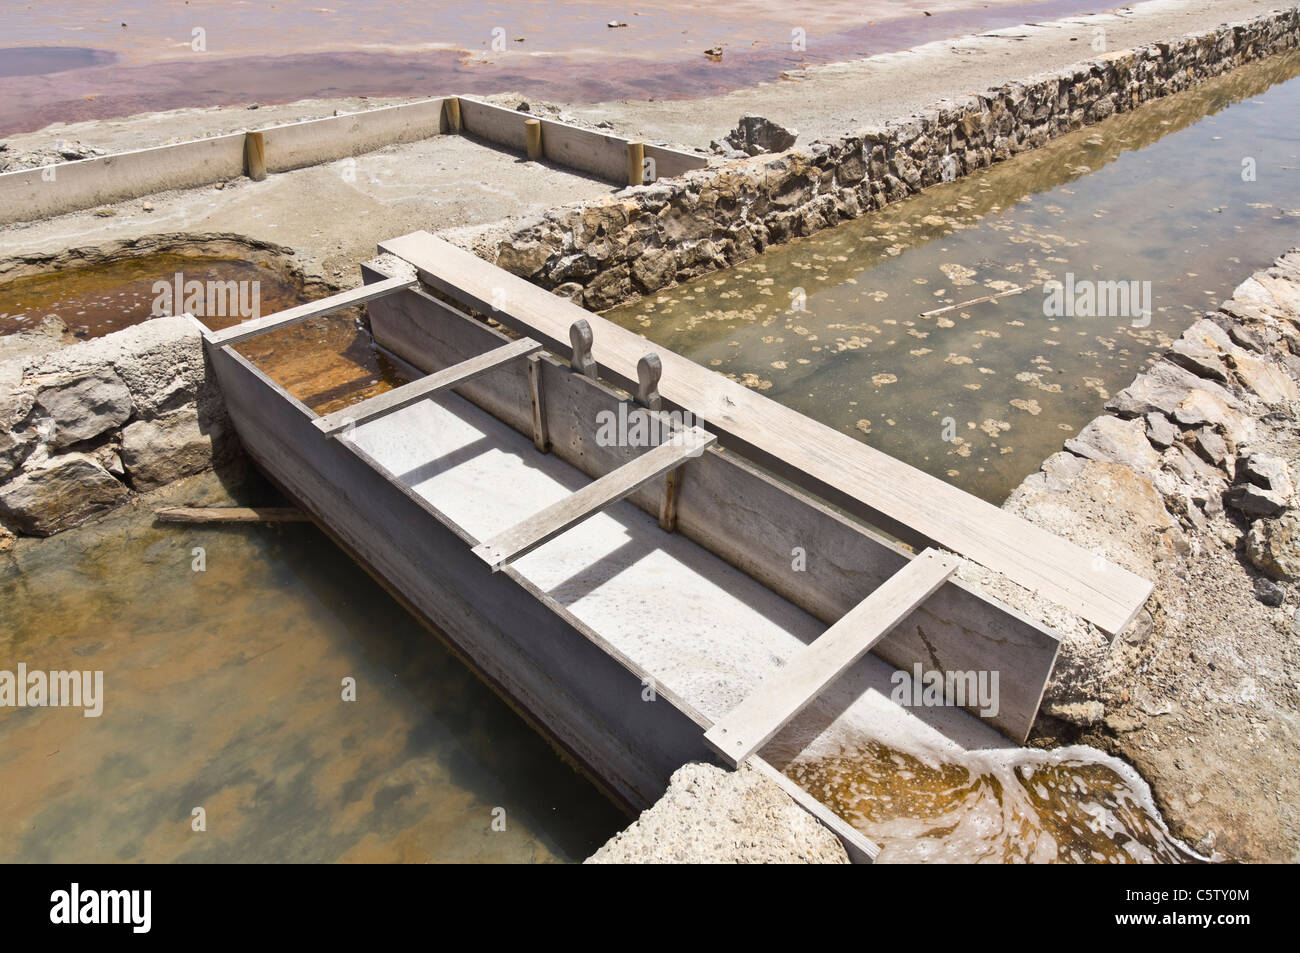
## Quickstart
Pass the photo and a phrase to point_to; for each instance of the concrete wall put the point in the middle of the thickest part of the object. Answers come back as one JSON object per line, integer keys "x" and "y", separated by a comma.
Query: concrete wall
{"x": 603, "y": 252}
{"x": 33, "y": 194}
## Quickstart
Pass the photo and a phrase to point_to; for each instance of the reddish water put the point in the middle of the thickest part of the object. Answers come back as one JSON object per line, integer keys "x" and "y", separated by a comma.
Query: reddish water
{"x": 293, "y": 51}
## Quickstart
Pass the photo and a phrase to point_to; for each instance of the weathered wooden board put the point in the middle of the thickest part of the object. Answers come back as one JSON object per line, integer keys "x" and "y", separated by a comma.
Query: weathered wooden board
{"x": 386, "y": 403}
{"x": 749, "y": 725}
{"x": 815, "y": 557}
{"x": 914, "y": 506}
{"x": 231, "y": 514}
{"x": 547, "y": 523}
{"x": 312, "y": 309}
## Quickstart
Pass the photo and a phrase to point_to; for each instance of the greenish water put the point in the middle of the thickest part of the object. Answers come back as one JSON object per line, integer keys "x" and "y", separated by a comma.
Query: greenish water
{"x": 223, "y": 690}
{"x": 834, "y": 325}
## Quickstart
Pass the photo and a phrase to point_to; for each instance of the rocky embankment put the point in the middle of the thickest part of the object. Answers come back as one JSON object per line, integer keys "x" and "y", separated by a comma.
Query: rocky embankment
{"x": 603, "y": 252}
{"x": 1189, "y": 480}
{"x": 84, "y": 426}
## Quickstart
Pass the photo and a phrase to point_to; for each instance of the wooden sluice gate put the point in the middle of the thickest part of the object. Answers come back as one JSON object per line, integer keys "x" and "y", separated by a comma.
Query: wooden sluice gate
{"x": 638, "y": 552}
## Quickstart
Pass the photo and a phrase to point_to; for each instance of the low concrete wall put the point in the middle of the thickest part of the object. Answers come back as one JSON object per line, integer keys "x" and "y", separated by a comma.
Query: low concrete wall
{"x": 31, "y": 194}
{"x": 603, "y": 252}
{"x": 314, "y": 141}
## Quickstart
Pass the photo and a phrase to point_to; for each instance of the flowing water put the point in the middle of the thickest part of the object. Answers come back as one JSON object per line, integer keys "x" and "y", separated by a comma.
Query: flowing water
{"x": 842, "y": 326}
{"x": 836, "y": 325}
{"x": 223, "y": 690}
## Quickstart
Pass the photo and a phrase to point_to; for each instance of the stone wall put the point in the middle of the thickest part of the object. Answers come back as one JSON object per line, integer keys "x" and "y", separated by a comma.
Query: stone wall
{"x": 83, "y": 426}
{"x": 644, "y": 238}
{"x": 1190, "y": 458}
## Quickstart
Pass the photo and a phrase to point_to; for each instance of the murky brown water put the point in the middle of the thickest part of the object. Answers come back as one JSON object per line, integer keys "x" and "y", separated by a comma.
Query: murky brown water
{"x": 327, "y": 363}
{"x": 223, "y": 692}
{"x": 1069, "y": 805}
{"x": 1156, "y": 195}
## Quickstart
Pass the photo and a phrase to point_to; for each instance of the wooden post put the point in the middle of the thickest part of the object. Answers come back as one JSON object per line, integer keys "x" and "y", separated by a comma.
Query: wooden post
{"x": 635, "y": 163}
{"x": 581, "y": 338}
{"x": 533, "y": 129}
{"x": 672, "y": 490}
{"x": 451, "y": 112}
{"x": 541, "y": 436}
{"x": 255, "y": 156}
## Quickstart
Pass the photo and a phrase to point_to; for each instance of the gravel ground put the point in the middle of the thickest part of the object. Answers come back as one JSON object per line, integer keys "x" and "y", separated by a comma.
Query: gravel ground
{"x": 710, "y": 815}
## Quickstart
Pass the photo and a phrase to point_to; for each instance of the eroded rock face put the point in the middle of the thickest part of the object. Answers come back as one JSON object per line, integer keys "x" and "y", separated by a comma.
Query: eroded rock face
{"x": 755, "y": 135}
{"x": 156, "y": 452}
{"x": 83, "y": 406}
{"x": 1111, "y": 440}
{"x": 1273, "y": 547}
{"x": 61, "y": 492}
{"x": 137, "y": 408}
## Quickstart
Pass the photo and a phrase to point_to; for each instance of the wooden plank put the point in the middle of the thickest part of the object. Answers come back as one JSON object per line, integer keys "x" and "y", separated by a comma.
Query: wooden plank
{"x": 231, "y": 514}
{"x": 912, "y": 505}
{"x": 312, "y": 309}
{"x": 753, "y": 722}
{"x": 381, "y": 405}
{"x": 551, "y": 521}
{"x": 743, "y": 515}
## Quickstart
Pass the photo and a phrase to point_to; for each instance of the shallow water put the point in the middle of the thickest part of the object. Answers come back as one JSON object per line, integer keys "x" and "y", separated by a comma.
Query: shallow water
{"x": 980, "y": 395}
{"x": 223, "y": 691}
{"x": 327, "y": 363}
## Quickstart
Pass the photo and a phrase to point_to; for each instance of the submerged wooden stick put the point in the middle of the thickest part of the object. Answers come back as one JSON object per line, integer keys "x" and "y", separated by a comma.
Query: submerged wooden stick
{"x": 962, "y": 304}
{"x": 231, "y": 514}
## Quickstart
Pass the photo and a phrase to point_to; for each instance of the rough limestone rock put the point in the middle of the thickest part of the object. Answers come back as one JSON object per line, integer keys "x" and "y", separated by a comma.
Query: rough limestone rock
{"x": 1272, "y": 384}
{"x": 1266, "y": 470}
{"x": 6, "y": 540}
{"x": 83, "y": 406}
{"x": 160, "y": 362}
{"x": 1273, "y": 547}
{"x": 1111, "y": 440}
{"x": 710, "y": 815}
{"x": 61, "y": 492}
{"x": 755, "y": 135}
{"x": 1160, "y": 431}
{"x": 159, "y": 451}
{"x": 1162, "y": 389}
{"x": 1255, "y": 502}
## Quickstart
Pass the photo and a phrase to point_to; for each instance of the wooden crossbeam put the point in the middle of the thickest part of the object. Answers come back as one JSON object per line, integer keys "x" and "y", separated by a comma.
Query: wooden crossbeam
{"x": 312, "y": 309}
{"x": 381, "y": 405}
{"x": 753, "y": 722}
{"x": 547, "y": 523}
